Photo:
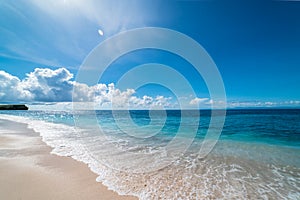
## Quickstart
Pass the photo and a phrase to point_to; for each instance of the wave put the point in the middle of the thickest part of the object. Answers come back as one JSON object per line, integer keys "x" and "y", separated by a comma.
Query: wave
{"x": 227, "y": 173}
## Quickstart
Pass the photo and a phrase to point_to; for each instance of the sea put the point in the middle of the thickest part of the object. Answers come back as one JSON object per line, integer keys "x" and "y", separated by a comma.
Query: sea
{"x": 155, "y": 155}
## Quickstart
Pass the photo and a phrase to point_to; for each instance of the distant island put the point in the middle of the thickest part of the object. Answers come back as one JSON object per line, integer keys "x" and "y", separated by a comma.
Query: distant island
{"x": 13, "y": 107}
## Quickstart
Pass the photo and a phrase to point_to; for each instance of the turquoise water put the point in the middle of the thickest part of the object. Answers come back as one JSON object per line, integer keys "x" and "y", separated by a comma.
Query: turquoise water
{"x": 268, "y": 126}
{"x": 257, "y": 155}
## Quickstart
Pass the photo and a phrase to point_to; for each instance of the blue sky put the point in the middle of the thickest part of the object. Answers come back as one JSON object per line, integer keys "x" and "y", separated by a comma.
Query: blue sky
{"x": 254, "y": 44}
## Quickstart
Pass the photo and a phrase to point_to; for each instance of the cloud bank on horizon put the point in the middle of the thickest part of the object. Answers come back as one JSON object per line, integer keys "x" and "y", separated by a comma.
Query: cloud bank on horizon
{"x": 56, "y": 87}
{"x": 46, "y": 85}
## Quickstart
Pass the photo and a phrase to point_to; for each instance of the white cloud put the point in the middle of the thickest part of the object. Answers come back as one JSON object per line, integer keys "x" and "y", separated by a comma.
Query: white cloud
{"x": 248, "y": 104}
{"x": 197, "y": 101}
{"x": 11, "y": 88}
{"x": 46, "y": 85}
{"x": 207, "y": 103}
{"x": 49, "y": 85}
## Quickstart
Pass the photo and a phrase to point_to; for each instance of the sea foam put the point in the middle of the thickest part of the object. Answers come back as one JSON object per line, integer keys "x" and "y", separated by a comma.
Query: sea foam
{"x": 224, "y": 174}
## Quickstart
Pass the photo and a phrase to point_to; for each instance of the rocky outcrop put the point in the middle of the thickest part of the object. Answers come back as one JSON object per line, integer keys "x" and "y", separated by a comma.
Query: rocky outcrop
{"x": 13, "y": 107}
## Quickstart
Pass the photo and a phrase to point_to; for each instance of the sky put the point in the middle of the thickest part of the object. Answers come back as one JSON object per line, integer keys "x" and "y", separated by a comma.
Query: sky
{"x": 255, "y": 46}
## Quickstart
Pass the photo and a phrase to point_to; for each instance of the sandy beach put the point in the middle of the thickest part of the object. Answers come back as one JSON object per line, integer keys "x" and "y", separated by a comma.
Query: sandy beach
{"x": 29, "y": 171}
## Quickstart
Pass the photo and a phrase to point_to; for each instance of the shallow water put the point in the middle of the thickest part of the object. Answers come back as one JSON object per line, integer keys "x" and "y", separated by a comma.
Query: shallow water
{"x": 256, "y": 157}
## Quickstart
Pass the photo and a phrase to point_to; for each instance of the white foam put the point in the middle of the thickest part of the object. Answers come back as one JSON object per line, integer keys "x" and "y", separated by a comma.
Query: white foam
{"x": 220, "y": 176}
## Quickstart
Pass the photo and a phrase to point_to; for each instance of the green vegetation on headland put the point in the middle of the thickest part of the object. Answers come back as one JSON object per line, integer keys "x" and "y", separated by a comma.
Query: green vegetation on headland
{"x": 13, "y": 107}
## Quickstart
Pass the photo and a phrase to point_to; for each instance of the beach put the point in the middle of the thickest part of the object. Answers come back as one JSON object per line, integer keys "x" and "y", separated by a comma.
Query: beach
{"x": 29, "y": 171}
{"x": 54, "y": 155}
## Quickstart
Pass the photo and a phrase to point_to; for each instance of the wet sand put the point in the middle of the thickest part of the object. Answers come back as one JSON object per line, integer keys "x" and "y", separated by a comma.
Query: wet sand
{"x": 29, "y": 171}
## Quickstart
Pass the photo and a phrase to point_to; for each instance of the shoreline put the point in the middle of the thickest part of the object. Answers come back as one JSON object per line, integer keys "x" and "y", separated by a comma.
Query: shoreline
{"x": 28, "y": 170}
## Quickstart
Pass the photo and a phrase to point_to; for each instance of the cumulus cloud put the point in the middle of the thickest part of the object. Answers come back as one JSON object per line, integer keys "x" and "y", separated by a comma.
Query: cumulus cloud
{"x": 11, "y": 88}
{"x": 47, "y": 85}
